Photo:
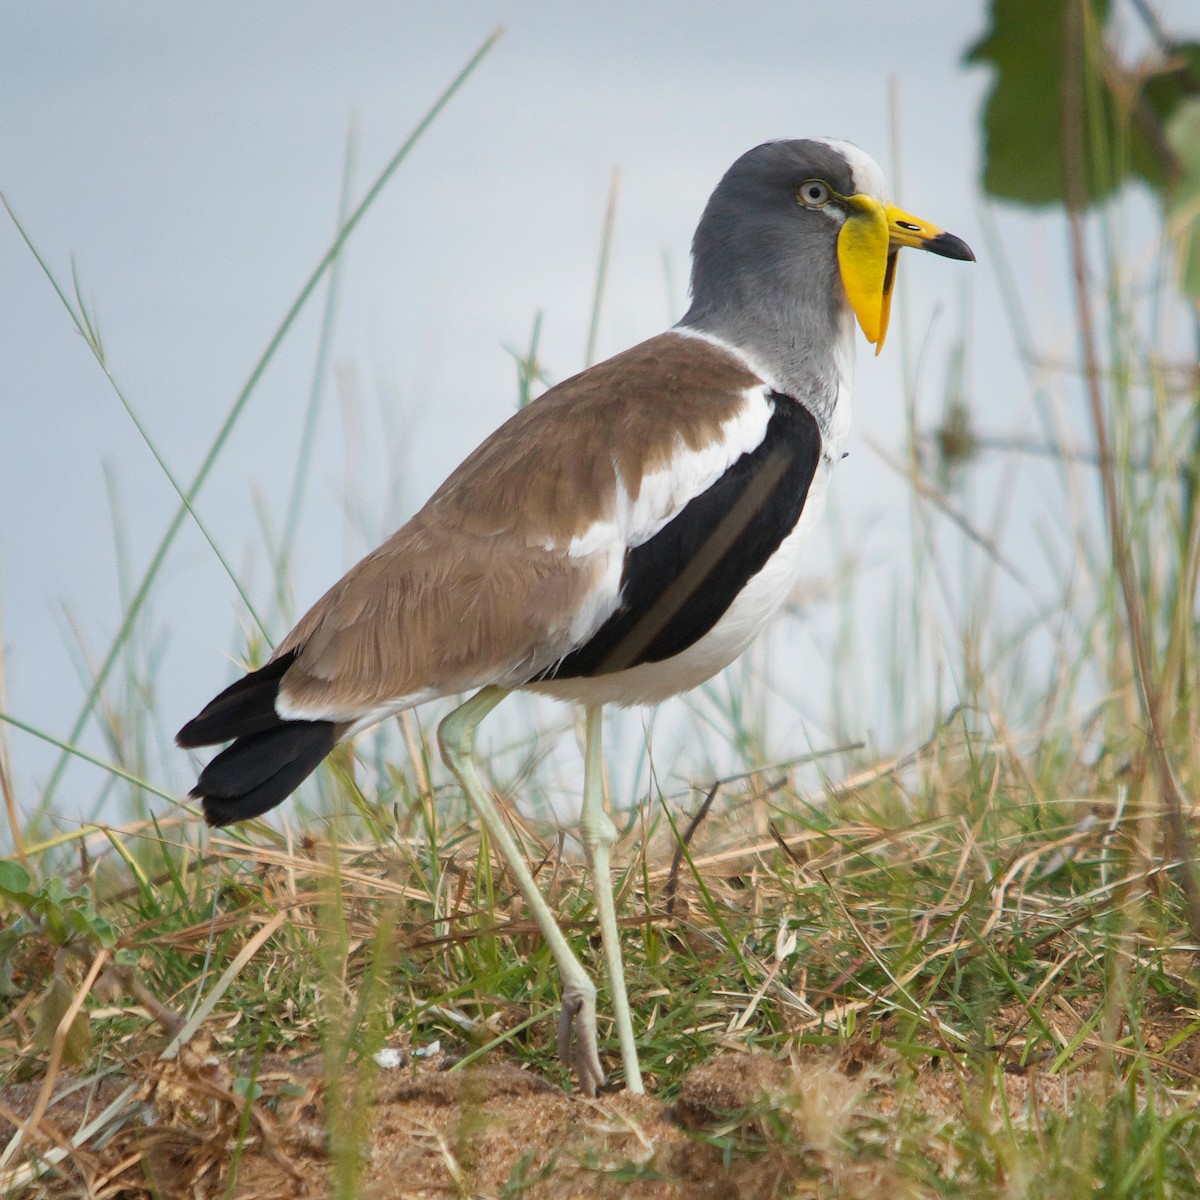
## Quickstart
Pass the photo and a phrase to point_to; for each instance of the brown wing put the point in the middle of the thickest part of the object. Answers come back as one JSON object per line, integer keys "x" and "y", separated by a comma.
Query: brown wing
{"x": 479, "y": 586}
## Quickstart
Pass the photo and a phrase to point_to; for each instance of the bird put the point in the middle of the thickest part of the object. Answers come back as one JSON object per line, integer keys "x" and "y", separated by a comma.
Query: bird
{"x": 619, "y": 540}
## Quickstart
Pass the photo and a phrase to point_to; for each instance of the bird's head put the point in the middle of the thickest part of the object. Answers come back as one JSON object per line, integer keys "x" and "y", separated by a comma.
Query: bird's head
{"x": 787, "y": 211}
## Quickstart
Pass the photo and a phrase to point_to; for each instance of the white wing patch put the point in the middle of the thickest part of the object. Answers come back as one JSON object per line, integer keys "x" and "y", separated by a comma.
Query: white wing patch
{"x": 752, "y": 608}
{"x": 664, "y": 494}
{"x": 356, "y": 716}
{"x": 661, "y": 497}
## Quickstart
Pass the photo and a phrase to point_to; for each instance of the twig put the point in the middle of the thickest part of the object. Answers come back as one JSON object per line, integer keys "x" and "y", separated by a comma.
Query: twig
{"x": 127, "y": 980}
{"x": 1022, "y": 445}
{"x": 685, "y": 841}
{"x": 169, "y": 1020}
{"x": 781, "y": 842}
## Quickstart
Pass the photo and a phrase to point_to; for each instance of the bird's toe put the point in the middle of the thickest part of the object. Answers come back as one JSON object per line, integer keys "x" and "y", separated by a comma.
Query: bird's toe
{"x": 577, "y": 1045}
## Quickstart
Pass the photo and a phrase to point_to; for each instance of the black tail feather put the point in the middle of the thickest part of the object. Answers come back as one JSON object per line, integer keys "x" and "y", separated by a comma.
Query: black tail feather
{"x": 270, "y": 756}
{"x": 260, "y": 771}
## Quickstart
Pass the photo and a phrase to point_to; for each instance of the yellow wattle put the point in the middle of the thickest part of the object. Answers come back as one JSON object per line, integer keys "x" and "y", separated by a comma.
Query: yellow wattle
{"x": 862, "y": 250}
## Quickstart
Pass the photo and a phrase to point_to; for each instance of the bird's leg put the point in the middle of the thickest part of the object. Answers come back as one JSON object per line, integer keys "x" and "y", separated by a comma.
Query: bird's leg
{"x": 598, "y": 833}
{"x": 577, "y": 1020}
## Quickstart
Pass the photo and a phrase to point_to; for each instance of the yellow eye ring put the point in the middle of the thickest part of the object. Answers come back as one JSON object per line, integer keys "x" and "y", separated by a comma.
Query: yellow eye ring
{"x": 814, "y": 193}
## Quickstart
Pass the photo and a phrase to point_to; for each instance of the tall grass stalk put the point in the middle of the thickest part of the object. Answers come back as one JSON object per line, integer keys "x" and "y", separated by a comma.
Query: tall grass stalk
{"x": 1154, "y": 693}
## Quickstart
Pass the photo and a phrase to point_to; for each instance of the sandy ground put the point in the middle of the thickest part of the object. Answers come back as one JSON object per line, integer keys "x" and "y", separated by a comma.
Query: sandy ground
{"x": 743, "y": 1125}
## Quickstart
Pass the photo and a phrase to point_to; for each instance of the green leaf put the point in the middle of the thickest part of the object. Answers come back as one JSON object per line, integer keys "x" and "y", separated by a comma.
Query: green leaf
{"x": 15, "y": 881}
{"x": 88, "y": 923}
{"x": 54, "y": 891}
{"x": 51, "y": 1010}
{"x": 247, "y": 1088}
{"x": 1023, "y": 114}
{"x": 1164, "y": 91}
{"x": 56, "y": 927}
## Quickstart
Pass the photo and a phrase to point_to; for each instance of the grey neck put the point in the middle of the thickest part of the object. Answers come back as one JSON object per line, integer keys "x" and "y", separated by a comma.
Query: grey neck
{"x": 777, "y": 312}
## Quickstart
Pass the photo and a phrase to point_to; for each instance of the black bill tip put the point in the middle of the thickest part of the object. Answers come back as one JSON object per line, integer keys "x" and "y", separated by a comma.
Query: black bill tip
{"x": 949, "y": 246}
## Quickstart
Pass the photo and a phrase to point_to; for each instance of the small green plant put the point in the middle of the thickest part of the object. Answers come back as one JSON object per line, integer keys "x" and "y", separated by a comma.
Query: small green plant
{"x": 51, "y": 910}
{"x": 66, "y": 923}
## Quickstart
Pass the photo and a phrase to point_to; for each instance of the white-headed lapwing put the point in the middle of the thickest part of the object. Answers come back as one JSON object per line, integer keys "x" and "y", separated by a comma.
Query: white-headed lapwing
{"x": 619, "y": 540}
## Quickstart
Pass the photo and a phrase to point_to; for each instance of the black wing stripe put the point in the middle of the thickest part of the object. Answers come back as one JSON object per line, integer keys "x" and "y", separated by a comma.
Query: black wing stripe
{"x": 677, "y": 585}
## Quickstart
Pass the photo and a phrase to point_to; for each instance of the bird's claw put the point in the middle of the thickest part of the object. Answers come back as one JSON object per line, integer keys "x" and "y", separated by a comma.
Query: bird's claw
{"x": 577, "y": 1046}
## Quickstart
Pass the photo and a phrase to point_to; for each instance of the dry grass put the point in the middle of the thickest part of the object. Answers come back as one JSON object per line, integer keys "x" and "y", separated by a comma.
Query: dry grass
{"x": 937, "y": 981}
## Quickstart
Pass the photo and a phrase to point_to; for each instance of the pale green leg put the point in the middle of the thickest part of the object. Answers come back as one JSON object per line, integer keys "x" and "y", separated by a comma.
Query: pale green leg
{"x": 598, "y": 833}
{"x": 577, "y": 1020}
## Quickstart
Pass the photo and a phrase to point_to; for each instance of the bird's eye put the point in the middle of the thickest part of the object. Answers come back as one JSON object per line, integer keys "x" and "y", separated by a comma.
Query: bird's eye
{"x": 814, "y": 193}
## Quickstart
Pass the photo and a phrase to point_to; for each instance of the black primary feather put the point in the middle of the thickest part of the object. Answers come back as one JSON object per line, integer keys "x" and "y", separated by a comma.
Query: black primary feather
{"x": 244, "y": 707}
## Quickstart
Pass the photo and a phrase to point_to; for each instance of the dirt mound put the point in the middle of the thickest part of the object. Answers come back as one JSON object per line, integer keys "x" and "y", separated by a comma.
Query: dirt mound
{"x": 742, "y": 1125}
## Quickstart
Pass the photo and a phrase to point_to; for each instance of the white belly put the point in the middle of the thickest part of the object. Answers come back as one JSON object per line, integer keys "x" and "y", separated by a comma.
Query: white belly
{"x": 751, "y": 609}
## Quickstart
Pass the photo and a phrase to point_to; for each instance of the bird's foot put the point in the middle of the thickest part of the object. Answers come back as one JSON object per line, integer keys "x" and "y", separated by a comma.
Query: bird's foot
{"x": 577, "y": 1036}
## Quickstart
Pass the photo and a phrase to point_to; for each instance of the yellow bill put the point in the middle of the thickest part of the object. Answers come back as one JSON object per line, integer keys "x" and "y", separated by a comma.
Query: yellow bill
{"x": 868, "y": 242}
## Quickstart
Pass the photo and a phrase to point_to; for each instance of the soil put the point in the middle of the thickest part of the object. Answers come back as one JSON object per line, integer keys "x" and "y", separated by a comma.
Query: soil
{"x": 743, "y": 1125}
